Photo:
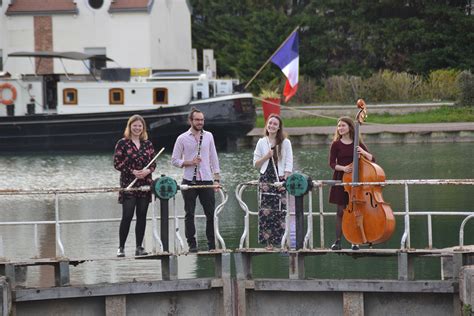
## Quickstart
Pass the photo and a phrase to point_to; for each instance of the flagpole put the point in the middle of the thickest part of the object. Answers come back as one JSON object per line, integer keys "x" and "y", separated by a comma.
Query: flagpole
{"x": 268, "y": 60}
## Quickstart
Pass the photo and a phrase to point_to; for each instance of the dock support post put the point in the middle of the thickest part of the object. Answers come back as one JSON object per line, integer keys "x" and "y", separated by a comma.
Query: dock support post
{"x": 61, "y": 273}
{"x": 164, "y": 224}
{"x": 296, "y": 264}
{"x": 466, "y": 286}
{"x": 8, "y": 270}
{"x": 169, "y": 268}
{"x": 353, "y": 303}
{"x": 243, "y": 267}
{"x": 299, "y": 221}
{"x": 223, "y": 262}
{"x": 5, "y": 297}
{"x": 116, "y": 305}
{"x": 406, "y": 270}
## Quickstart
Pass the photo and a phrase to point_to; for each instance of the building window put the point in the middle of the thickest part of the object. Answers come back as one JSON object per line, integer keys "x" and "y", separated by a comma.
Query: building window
{"x": 116, "y": 96}
{"x": 96, "y": 4}
{"x": 160, "y": 96}
{"x": 70, "y": 96}
{"x": 1, "y": 53}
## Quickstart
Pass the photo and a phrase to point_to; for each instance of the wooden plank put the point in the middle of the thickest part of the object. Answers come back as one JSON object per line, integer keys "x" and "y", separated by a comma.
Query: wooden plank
{"x": 425, "y": 286}
{"x": 21, "y": 295}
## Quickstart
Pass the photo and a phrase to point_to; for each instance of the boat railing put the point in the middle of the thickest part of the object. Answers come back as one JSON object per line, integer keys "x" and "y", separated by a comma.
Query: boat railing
{"x": 319, "y": 185}
{"x": 157, "y": 242}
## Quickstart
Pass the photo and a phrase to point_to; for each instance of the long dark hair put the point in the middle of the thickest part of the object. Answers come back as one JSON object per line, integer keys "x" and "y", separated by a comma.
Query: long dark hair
{"x": 280, "y": 135}
{"x": 351, "y": 124}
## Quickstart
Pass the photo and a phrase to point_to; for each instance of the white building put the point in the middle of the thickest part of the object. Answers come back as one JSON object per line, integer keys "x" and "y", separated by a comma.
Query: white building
{"x": 134, "y": 33}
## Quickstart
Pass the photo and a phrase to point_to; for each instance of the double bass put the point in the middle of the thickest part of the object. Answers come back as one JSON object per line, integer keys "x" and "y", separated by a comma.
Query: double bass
{"x": 367, "y": 219}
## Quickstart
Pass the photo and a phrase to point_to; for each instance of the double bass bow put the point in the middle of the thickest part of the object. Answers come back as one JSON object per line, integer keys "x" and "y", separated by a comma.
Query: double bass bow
{"x": 367, "y": 219}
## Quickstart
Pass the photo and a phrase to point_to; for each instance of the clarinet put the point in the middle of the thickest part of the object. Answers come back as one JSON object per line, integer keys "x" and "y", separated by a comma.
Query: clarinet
{"x": 199, "y": 154}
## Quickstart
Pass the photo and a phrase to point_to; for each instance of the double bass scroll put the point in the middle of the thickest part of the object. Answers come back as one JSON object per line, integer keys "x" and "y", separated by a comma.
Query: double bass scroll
{"x": 367, "y": 218}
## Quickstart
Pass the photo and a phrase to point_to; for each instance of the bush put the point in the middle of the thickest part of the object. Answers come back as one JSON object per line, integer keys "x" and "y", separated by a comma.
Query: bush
{"x": 389, "y": 86}
{"x": 465, "y": 82}
{"x": 340, "y": 89}
{"x": 442, "y": 85}
{"x": 392, "y": 86}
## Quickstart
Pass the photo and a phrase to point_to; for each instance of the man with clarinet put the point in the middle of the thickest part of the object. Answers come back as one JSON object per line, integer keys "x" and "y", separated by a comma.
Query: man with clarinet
{"x": 195, "y": 151}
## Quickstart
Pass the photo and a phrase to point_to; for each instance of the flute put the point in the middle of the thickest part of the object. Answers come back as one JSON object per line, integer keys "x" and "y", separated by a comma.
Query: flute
{"x": 149, "y": 164}
{"x": 198, "y": 154}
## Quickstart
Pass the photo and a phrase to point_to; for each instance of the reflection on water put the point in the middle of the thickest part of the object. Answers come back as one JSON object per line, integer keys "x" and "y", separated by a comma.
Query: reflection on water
{"x": 100, "y": 240}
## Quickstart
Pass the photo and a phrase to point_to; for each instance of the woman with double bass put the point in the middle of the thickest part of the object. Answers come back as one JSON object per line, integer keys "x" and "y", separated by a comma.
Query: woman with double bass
{"x": 340, "y": 160}
{"x": 362, "y": 214}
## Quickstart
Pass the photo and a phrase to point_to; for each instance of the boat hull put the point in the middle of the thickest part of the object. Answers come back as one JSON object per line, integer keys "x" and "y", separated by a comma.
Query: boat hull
{"x": 227, "y": 117}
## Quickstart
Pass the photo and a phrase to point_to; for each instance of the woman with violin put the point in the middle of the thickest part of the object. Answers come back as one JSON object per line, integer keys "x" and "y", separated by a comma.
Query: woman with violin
{"x": 340, "y": 159}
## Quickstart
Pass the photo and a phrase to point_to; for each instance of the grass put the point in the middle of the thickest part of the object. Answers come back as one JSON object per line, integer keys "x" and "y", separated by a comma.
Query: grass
{"x": 441, "y": 115}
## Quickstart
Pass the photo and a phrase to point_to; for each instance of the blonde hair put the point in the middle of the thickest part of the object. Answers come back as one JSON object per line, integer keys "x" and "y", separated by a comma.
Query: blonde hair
{"x": 131, "y": 120}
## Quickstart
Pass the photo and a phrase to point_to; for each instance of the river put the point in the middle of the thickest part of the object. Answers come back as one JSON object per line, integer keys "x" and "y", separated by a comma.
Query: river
{"x": 80, "y": 170}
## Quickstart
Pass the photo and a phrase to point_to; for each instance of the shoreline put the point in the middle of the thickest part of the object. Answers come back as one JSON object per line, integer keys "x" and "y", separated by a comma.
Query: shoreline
{"x": 459, "y": 132}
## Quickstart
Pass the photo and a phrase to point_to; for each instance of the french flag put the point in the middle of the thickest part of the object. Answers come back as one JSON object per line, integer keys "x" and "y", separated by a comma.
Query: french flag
{"x": 287, "y": 58}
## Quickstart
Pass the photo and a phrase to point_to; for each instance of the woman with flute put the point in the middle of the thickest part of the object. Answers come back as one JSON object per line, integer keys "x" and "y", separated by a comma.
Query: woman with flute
{"x": 133, "y": 153}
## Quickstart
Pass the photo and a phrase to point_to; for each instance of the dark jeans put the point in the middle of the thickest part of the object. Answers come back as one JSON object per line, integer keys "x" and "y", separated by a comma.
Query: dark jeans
{"x": 129, "y": 205}
{"x": 208, "y": 201}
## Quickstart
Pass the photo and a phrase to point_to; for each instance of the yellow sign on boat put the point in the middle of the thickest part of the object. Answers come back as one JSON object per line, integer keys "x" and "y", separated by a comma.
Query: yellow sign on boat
{"x": 140, "y": 72}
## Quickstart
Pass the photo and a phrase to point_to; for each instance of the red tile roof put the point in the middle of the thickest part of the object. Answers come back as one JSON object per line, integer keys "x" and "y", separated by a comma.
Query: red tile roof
{"x": 32, "y": 7}
{"x": 130, "y": 5}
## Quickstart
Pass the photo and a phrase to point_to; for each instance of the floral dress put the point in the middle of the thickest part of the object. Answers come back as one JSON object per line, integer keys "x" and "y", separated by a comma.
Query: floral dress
{"x": 128, "y": 157}
{"x": 272, "y": 209}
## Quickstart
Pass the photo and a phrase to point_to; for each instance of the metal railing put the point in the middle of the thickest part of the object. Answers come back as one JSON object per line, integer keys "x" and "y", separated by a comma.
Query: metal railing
{"x": 320, "y": 184}
{"x": 157, "y": 243}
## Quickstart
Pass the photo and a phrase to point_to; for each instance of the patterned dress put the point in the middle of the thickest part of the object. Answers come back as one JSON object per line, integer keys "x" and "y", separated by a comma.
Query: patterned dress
{"x": 128, "y": 157}
{"x": 272, "y": 209}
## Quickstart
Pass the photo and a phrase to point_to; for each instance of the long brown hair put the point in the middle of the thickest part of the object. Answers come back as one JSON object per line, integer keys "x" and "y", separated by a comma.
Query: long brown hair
{"x": 351, "y": 125}
{"x": 279, "y": 137}
{"x": 131, "y": 120}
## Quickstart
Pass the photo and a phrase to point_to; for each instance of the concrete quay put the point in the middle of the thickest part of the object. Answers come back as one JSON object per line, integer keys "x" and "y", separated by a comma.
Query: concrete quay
{"x": 377, "y": 133}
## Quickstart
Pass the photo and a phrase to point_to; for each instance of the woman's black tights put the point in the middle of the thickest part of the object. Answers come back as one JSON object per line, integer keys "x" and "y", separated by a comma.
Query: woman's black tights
{"x": 128, "y": 208}
{"x": 340, "y": 213}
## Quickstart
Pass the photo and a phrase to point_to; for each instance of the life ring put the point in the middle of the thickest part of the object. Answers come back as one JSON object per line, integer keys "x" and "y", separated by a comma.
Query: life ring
{"x": 13, "y": 92}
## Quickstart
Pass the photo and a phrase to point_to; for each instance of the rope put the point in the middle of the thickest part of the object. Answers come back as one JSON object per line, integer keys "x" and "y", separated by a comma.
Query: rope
{"x": 306, "y": 112}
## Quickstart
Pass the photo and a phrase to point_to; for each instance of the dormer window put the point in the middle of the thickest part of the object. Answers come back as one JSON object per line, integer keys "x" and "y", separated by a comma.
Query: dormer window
{"x": 70, "y": 96}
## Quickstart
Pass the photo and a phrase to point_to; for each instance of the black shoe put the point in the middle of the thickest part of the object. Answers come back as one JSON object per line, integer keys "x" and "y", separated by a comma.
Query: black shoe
{"x": 140, "y": 251}
{"x": 193, "y": 249}
{"x": 355, "y": 247}
{"x": 211, "y": 246}
{"x": 120, "y": 252}
{"x": 336, "y": 245}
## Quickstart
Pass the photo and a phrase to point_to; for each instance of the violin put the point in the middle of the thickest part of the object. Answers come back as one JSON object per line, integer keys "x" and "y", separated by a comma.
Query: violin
{"x": 367, "y": 219}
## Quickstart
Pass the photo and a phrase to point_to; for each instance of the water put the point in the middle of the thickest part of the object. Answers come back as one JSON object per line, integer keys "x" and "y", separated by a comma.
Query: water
{"x": 65, "y": 170}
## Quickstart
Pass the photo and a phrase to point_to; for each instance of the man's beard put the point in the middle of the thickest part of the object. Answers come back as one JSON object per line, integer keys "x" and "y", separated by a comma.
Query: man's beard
{"x": 197, "y": 127}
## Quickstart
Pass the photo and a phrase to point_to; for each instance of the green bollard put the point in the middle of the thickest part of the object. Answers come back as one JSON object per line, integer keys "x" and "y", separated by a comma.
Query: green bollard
{"x": 164, "y": 188}
{"x": 298, "y": 185}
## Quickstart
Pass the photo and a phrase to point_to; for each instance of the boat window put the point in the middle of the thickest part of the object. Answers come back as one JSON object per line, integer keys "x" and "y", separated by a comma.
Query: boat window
{"x": 116, "y": 96}
{"x": 70, "y": 96}
{"x": 160, "y": 96}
